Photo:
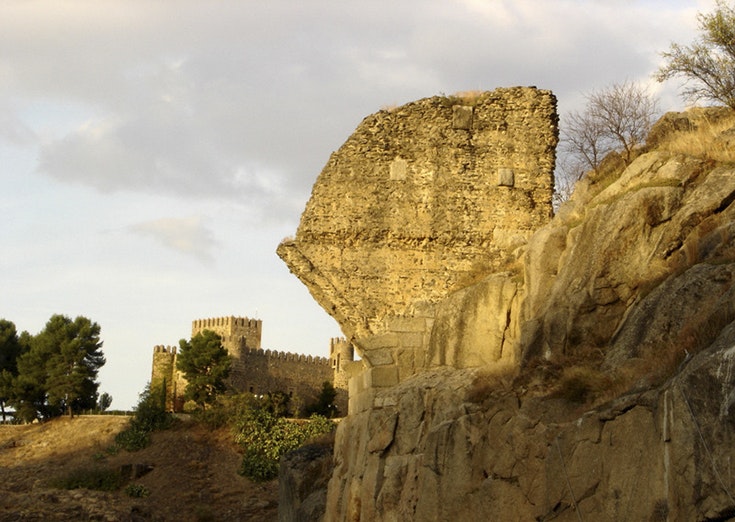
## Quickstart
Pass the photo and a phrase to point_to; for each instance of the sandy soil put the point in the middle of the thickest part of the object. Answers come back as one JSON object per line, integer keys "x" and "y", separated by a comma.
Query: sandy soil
{"x": 192, "y": 474}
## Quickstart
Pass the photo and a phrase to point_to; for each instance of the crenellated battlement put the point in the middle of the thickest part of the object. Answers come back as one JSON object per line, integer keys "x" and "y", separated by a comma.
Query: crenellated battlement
{"x": 230, "y": 322}
{"x": 284, "y": 356}
{"x": 231, "y": 328}
{"x": 160, "y": 348}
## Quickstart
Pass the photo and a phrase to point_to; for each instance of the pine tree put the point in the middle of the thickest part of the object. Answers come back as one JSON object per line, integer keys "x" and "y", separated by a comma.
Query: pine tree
{"x": 206, "y": 366}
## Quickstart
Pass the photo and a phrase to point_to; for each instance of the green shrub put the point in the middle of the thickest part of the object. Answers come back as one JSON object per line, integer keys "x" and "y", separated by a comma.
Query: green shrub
{"x": 137, "y": 491}
{"x": 265, "y": 438}
{"x": 96, "y": 478}
{"x": 257, "y": 466}
{"x": 133, "y": 438}
{"x": 150, "y": 415}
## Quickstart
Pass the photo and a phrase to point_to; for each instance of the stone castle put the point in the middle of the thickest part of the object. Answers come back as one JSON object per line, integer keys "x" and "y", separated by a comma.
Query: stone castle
{"x": 260, "y": 371}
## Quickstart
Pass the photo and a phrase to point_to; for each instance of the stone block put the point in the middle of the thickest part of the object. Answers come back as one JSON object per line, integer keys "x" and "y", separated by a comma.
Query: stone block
{"x": 462, "y": 117}
{"x": 506, "y": 177}
{"x": 378, "y": 342}
{"x": 385, "y": 401}
{"x": 398, "y": 169}
{"x": 360, "y": 401}
{"x": 382, "y": 429}
{"x": 411, "y": 340}
{"x": 383, "y": 376}
{"x": 379, "y": 357}
{"x": 405, "y": 324}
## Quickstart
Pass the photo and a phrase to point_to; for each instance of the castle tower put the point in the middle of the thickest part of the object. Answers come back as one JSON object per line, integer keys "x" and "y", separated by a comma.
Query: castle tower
{"x": 239, "y": 336}
{"x": 165, "y": 376}
{"x": 341, "y": 354}
{"x": 236, "y": 332}
{"x": 259, "y": 371}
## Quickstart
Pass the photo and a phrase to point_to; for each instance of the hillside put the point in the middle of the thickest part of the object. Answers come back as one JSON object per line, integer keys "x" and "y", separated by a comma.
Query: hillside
{"x": 191, "y": 474}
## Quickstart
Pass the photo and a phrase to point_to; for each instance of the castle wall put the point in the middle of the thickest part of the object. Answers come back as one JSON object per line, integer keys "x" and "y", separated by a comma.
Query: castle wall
{"x": 263, "y": 371}
{"x": 256, "y": 370}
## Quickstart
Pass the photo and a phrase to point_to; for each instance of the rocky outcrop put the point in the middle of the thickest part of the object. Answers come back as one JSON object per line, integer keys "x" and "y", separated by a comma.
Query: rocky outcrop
{"x": 664, "y": 214}
{"x": 440, "y": 450}
{"x": 302, "y": 487}
{"x": 585, "y": 373}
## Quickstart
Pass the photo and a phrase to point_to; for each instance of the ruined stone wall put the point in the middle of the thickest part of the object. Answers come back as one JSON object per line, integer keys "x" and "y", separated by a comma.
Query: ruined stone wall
{"x": 419, "y": 202}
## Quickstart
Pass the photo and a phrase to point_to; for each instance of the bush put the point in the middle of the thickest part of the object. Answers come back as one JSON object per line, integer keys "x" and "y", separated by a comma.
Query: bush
{"x": 265, "y": 438}
{"x": 137, "y": 491}
{"x": 150, "y": 415}
{"x": 133, "y": 439}
{"x": 582, "y": 385}
{"x": 257, "y": 466}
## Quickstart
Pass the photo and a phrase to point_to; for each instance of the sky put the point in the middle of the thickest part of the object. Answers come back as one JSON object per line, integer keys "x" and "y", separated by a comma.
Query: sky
{"x": 153, "y": 154}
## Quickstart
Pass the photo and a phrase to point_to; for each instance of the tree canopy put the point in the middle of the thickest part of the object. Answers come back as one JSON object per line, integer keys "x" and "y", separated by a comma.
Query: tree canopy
{"x": 10, "y": 349}
{"x": 56, "y": 370}
{"x": 707, "y": 65}
{"x": 615, "y": 119}
{"x": 205, "y": 365}
{"x": 325, "y": 405}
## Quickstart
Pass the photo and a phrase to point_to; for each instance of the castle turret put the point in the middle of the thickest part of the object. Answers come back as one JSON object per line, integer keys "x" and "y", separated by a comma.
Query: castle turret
{"x": 340, "y": 351}
{"x": 341, "y": 354}
{"x": 234, "y": 331}
{"x": 166, "y": 377}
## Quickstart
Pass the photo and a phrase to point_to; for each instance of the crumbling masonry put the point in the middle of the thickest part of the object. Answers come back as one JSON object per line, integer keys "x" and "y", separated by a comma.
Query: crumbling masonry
{"x": 417, "y": 205}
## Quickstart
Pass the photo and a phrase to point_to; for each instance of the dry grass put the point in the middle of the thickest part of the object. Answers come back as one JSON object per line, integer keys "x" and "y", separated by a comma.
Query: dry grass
{"x": 705, "y": 142}
{"x": 470, "y": 97}
{"x": 194, "y": 468}
{"x": 583, "y": 378}
{"x": 492, "y": 382}
{"x": 584, "y": 385}
{"x": 467, "y": 98}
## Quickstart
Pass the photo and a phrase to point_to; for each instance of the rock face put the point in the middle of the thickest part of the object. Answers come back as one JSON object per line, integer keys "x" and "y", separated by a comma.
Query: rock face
{"x": 303, "y": 477}
{"x": 433, "y": 452}
{"x": 585, "y": 373}
{"x": 419, "y": 201}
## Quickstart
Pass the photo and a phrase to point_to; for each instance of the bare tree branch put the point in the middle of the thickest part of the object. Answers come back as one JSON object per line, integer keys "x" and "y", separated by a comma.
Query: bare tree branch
{"x": 708, "y": 65}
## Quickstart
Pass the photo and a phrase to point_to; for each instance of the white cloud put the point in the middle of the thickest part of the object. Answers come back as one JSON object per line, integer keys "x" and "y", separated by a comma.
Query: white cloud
{"x": 186, "y": 235}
